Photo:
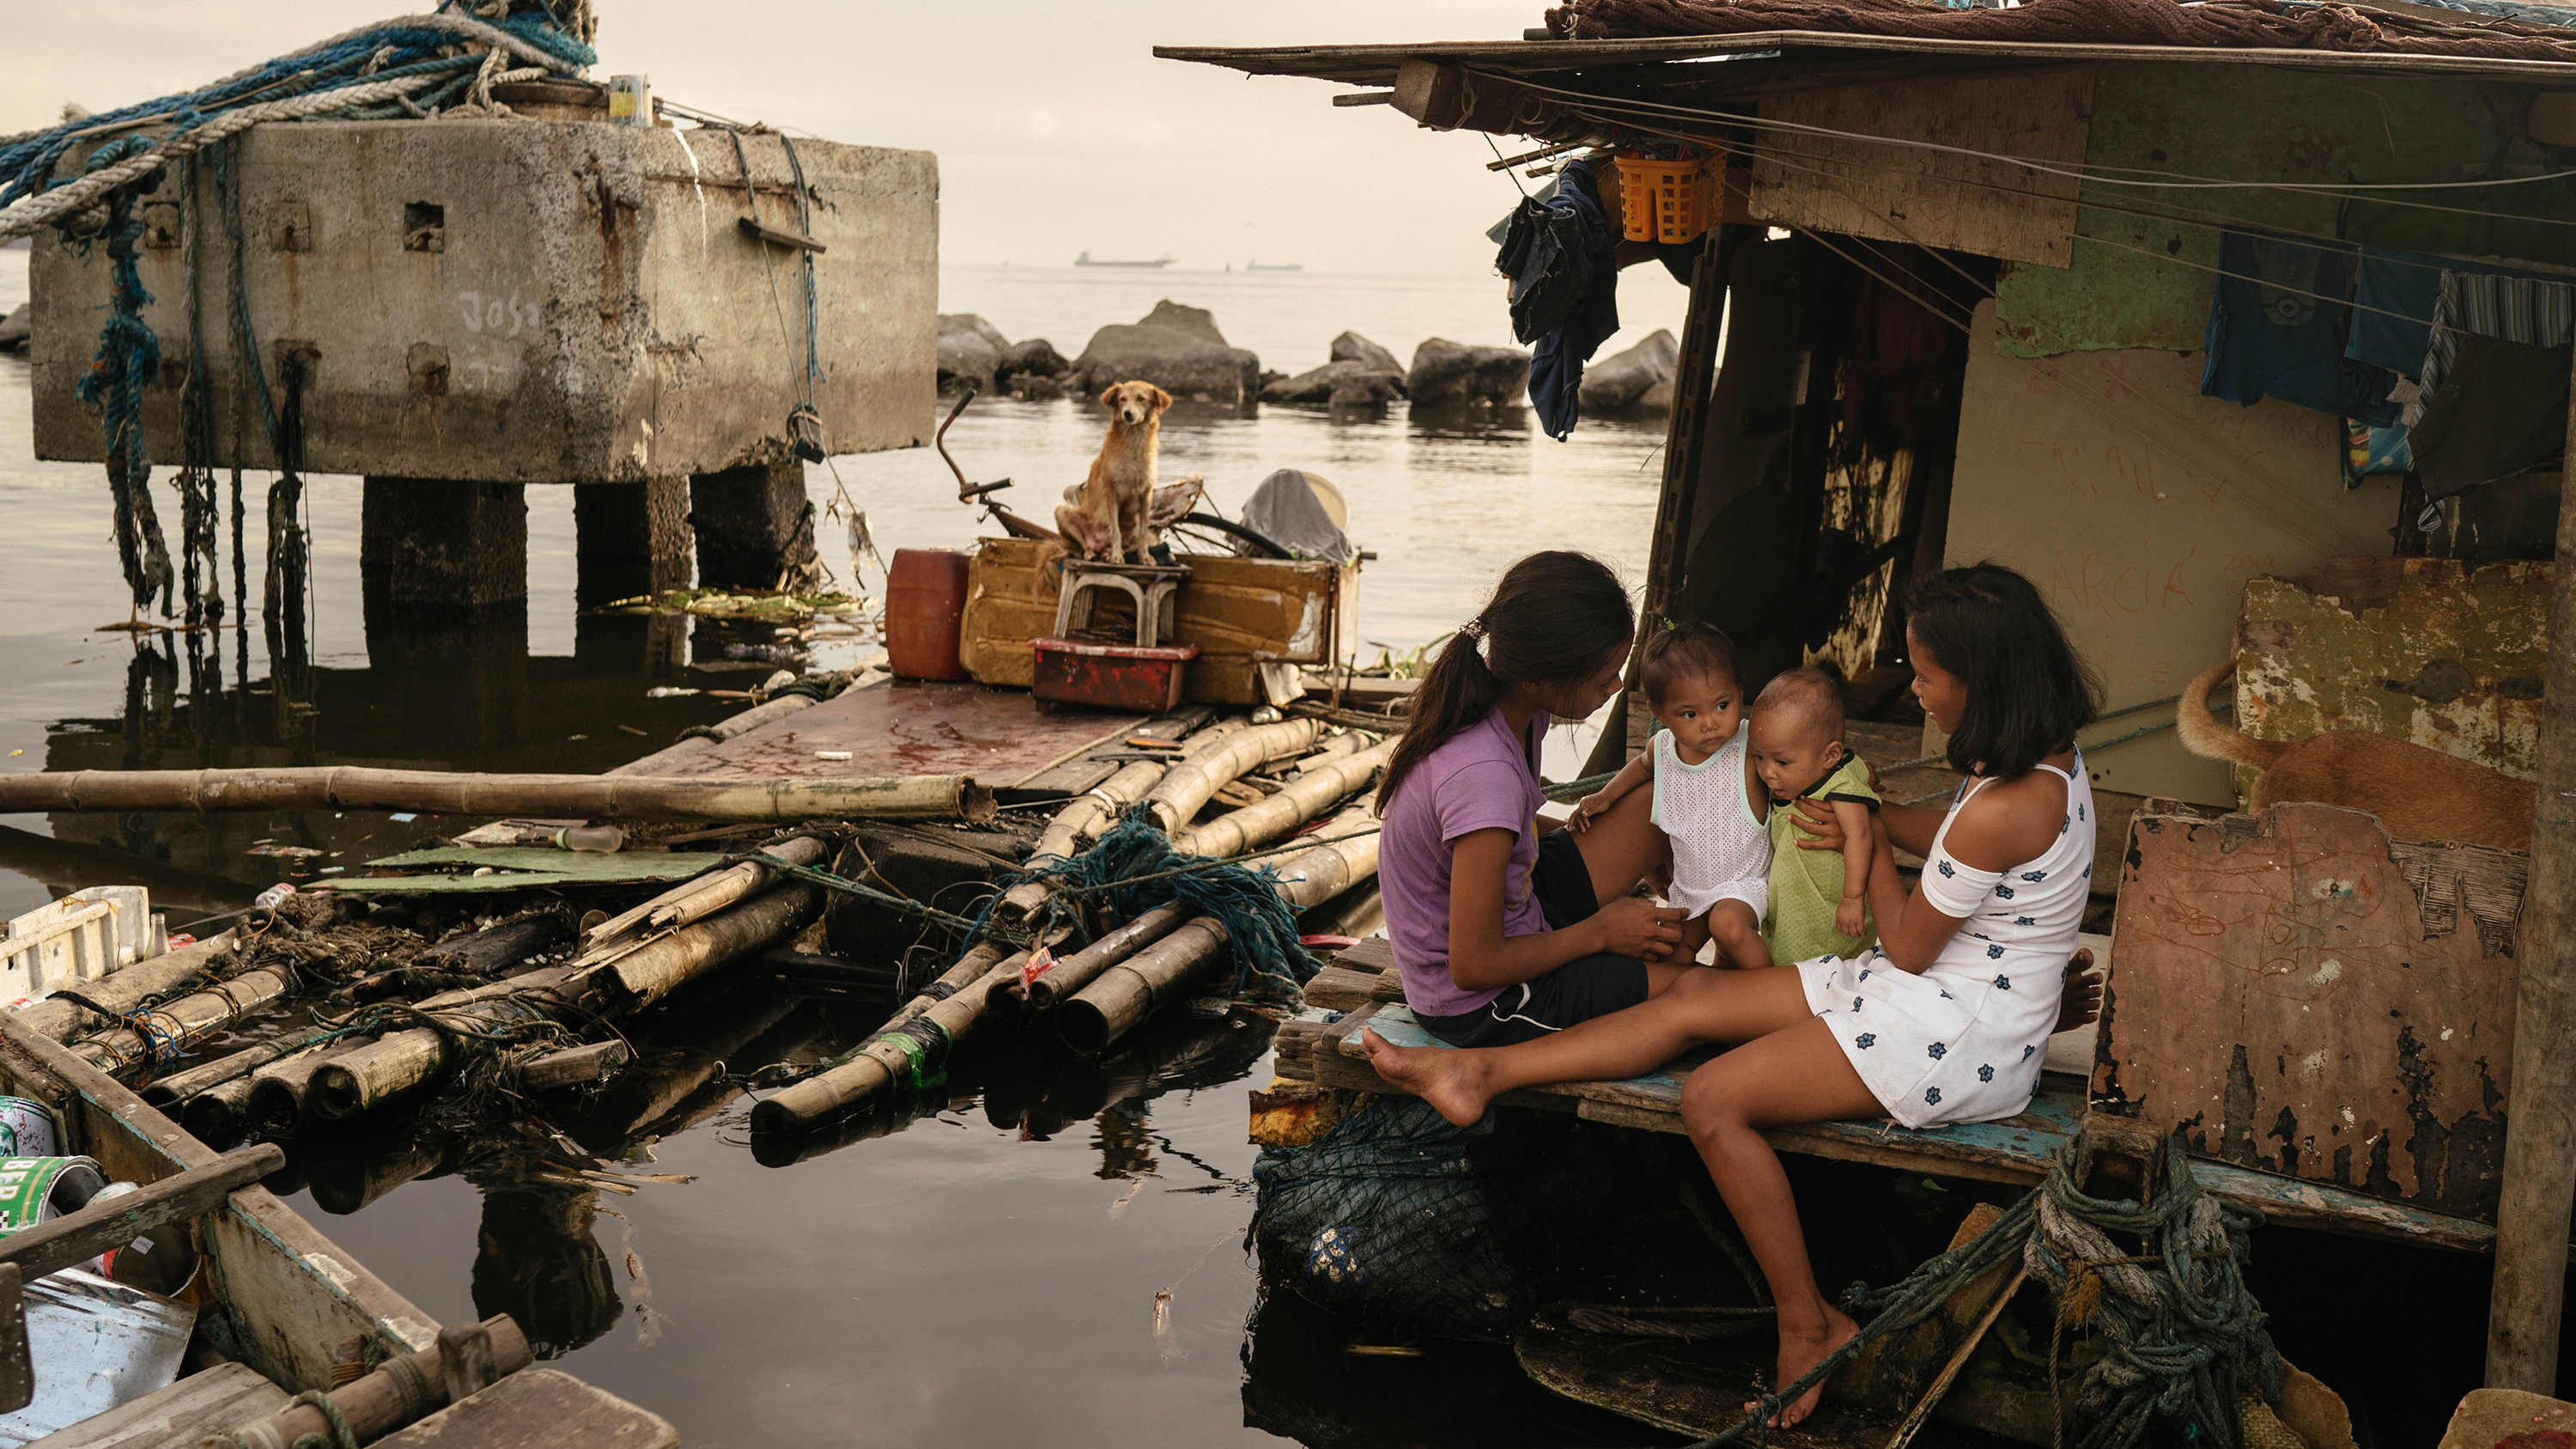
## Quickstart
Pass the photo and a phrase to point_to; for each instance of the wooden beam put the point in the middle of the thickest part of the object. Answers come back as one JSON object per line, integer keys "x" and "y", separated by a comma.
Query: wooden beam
{"x": 2525, "y": 1307}
{"x": 793, "y": 241}
{"x": 76, "y": 1237}
{"x": 1364, "y": 98}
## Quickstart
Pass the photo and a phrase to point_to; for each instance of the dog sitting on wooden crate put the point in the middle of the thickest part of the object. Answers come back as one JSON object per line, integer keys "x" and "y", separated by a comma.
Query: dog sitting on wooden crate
{"x": 1108, "y": 516}
{"x": 2417, "y": 793}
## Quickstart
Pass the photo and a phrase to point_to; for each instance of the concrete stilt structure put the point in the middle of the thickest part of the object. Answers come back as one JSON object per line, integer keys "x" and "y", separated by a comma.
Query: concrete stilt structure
{"x": 754, "y": 525}
{"x": 630, "y": 539}
{"x": 435, "y": 546}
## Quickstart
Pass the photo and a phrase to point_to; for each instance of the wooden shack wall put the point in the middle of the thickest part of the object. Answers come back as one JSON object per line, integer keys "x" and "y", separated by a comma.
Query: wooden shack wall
{"x": 2295, "y": 992}
{"x": 2141, "y": 509}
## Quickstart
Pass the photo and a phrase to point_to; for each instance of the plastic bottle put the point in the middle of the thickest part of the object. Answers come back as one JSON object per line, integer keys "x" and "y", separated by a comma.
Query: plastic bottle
{"x": 267, "y": 900}
{"x": 592, "y": 839}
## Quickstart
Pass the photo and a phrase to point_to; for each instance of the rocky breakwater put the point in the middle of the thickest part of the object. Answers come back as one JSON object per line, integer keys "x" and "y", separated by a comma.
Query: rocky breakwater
{"x": 1448, "y": 374}
{"x": 1360, "y": 374}
{"x": 1639, "y": 380}
{"x": 1177, "y": 349}
{"x": 972, "y": 350}
{"x": 16, "y": 328}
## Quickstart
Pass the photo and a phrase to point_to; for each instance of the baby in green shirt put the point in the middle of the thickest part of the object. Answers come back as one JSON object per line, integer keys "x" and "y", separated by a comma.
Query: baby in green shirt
{"x": 1819, "y": 900}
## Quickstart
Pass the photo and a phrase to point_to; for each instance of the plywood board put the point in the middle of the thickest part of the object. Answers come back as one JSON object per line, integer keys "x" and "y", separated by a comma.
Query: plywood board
{"x": 1240, "y": 612}
{"x": 2141, "y": 509}
{"x": 2296, "y": 998}
{"x": 1968, "y": 203}
{"x": 2426, "y": 650}
{"x": 908, "y": 727}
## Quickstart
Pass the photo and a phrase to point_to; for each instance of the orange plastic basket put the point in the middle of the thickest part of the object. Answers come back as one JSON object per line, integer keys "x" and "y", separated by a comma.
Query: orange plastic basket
{"x": 1667, "y": 201}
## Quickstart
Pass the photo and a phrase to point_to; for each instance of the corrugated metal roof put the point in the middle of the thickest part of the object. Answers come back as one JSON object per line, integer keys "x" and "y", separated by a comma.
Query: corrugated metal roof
{"x": 1376, "y": 65}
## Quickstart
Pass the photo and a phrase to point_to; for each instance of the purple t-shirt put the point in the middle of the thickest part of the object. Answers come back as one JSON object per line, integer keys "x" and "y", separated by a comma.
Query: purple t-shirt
{"x": 1478, "y": 779}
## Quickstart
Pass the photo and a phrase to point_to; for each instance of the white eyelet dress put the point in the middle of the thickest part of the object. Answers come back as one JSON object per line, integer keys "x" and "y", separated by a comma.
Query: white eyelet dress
{"x": 1963, "y": 1041}
{"x": 1720, "y": 852}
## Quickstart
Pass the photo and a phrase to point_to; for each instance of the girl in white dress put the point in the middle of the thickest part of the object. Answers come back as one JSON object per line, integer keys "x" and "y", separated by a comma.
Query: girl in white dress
{"x": 1946, "y": 1020}
{"x": 1706, "y": 800}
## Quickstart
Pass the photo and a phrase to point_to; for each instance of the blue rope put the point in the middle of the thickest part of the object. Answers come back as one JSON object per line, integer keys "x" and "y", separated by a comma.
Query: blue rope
{"x": 128, "y": 358}
{"x": 1260, "y": 926}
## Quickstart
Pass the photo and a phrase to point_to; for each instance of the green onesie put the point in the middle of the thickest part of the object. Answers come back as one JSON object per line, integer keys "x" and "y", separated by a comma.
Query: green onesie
{"x": 1807, "y": 885}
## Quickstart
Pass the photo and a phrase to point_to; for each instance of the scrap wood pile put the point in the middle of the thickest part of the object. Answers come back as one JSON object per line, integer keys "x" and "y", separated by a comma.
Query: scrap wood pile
{"x": 467, "y": 991}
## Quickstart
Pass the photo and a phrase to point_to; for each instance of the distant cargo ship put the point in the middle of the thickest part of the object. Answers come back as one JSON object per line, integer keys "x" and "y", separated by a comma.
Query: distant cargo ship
{"x": 1088, "y": 260}
{"x": 1274, "y": 266}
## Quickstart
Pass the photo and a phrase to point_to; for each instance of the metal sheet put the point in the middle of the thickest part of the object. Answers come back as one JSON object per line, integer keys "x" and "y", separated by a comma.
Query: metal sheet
{"x": 906, "y": 727}
{"x": 95, "y": 1345}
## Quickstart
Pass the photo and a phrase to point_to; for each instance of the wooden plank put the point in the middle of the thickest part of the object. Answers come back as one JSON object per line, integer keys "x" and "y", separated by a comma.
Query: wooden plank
{"x": 538, "y": 1409}
{"x": 76, "y": 1237}
{"x": 211, "y": 1402}
{"x": 2280, "y": 996}
{"x": 1337, "y": 989}
{"x": 2014, "y": 1151}
{"x": 1371, "y": 956}
{"x": 1968, "y": 203}
{"x": 1000, "y": 739}
{"x": 517, "y": 868}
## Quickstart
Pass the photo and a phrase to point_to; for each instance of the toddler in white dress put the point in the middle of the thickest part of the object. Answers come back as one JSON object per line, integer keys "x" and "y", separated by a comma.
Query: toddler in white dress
{"x": 1707, "y": 802}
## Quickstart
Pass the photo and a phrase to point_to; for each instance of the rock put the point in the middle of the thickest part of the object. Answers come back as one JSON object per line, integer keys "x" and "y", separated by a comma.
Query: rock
{"x": 1453, "y": 374}
{"x": 1036, "y": 357}
{"x": 1658, "y": 399}
{"x": 1623, "y": 382}
{"x": 16, "y": 328}
{"x": 1371, "y": 389}
{"x": 1176, "y": 348}
{"x": 1328, "y": 382}
{"x": 1352, "y": 347}
{"x": 969, "y": 350}
{"x": 1033, "y": 388}
{"x": 969, "y": 322}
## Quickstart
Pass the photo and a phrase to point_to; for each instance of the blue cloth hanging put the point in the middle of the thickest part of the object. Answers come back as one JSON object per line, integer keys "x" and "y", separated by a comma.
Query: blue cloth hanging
{"x": 2279, "y": 319}
{"x": 1592, "y": 313}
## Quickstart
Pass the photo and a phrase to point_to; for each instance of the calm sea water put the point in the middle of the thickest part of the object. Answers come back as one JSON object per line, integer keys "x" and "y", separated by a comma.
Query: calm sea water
{"x": 957, "y": 1280}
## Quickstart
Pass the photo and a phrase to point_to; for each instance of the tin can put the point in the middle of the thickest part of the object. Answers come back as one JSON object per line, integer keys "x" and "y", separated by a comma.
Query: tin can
{"x": 630, "y": 100}
{"x": 39, "y": 1189}
{"x": 26, "y": 1128}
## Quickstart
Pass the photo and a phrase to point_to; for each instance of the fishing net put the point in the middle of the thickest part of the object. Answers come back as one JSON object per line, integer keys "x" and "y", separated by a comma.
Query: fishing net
{"x": 1406, "y": 1222}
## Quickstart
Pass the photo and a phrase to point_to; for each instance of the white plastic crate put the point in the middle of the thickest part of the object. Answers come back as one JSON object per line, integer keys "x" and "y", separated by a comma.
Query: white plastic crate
{"x": 81, "y": 937}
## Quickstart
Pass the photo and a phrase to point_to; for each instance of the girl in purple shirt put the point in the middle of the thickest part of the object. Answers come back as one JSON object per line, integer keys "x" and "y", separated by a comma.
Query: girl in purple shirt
{"x": 1506, "y": 930}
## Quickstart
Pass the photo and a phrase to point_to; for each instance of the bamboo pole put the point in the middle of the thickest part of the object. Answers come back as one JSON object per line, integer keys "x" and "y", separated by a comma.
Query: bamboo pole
{"x": 1193, "y": 782}
{"x": 387, "y": 1399}
{"x": 494, "y": 948}
{"x": 1083, "y": 817}
{"x": 123, "y": 991}
{"x": 2523, "y": 1312}
{"x": 168, "y": 1092}
{"x": 646, "y": 975}
{"x": 1237, "y": 831}
{"x": 1129, "y": 991}
{"x": 177, "y": 1024}
{"x": 1079, "y": 970}
{"x": 592, "y": 797}
{"x": 394, "y": 1064}
{"x": 883, "y": 1064}
{"x": 218, "y": 1115}
{"x": 681, "y": 905}
{"x": 280, "y": 1099}
{"x": 970, "y": 968}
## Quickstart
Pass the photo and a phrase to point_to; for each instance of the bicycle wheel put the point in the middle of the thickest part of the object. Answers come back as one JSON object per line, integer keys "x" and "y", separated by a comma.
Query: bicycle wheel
{"x": 1207, "y": 533}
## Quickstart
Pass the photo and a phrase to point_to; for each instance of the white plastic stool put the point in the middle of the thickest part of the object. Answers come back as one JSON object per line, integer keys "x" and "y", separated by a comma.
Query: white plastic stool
{"x": 1151, "y": 587}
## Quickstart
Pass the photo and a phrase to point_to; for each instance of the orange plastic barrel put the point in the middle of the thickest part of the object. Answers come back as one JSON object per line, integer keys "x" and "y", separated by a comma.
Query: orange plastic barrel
{"x": 925, "y": 609}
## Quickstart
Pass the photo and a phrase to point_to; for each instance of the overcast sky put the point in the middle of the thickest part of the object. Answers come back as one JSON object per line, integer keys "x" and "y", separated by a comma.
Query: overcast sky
{"x": 1055, "y": 127}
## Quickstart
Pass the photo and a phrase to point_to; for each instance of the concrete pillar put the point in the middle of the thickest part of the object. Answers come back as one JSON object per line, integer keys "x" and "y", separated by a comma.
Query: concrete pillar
{"x": 629, "y": 539}
{"x": 437, "y": 546}
{"x": 754, "y": 525}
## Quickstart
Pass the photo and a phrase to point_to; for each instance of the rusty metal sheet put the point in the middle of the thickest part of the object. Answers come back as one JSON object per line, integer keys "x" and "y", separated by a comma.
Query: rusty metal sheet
{"x": 2301, "y": 996}
{"x": 2421, "y": 649}
{"x": 912, "y": 727}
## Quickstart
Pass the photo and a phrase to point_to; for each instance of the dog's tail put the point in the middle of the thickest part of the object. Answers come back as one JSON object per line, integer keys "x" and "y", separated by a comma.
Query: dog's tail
{"x": 2204, "y": 736}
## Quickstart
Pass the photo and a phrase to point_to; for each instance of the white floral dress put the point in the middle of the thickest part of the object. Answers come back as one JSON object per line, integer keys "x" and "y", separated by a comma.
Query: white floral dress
{"x": 1963, "y": 1040}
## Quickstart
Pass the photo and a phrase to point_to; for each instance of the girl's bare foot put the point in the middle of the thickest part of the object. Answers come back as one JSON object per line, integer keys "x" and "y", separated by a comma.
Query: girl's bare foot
{"x": 2082, "y": 1004}
{"x": 1451, "y": 1080}
{"x": 1799, "y": 1353}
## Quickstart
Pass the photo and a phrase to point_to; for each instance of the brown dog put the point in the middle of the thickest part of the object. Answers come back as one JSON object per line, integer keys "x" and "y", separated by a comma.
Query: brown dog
{"x": 1106, "y": 517}
{"x": 2417, "y": 793}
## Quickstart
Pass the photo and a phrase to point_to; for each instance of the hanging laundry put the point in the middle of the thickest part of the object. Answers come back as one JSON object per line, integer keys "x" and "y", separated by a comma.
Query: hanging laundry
{"x": 2374, "y": 452}
{"x": 2511, "y": 307}
{"x": 2277, "y": 327}
{"x": 2501, "y": 410}
{"x": 1899, "y": 342}
{"x": 1573, "y": 284}
{"x": 2392, "y": 311}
